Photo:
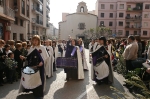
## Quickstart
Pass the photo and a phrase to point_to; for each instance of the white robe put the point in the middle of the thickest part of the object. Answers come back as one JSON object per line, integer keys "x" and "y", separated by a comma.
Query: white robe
{"x": 44, "y": 55}
{"x": 84, "y": 60}
{"x": 50, "y": 61}
{"x": 90, "y": 46}
{"x": 95, "y": 46}
{"x": 110, "y": 51}
{"x": 80, "y": 67}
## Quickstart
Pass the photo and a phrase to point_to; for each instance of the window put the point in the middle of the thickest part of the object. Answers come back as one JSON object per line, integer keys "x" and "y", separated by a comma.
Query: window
{"x": 110, "y": 23}
{"x": 1, "y": 2}
{"x": 120, "y": 23}
{"x": 82, "y": 9}
{"x": 121, "y": 15}
{"x": 135, "y": 32}
{"x": 120, "y": 32}
{"x": 102, "y": 23}
{"x": 23, "y": 7}
{"x": 145, "y": 24}
{"x": 111, "y": 15}
{"x": 81, "y": 26}
{"x": 121, "y": 6}
{"x": 102, "y": 15}
{"x": 144, "y": 32}
{"x": 147, "y": 6}
{"x": 21, "y": 37}
{"x": 27, "y": 10}
{"x": 111, "y": 6}
{"x": 127, "y": 33}
{"x": 41, "y": 9}
{"x": 16, "y": 21}
{"x": 102, "y": 6}
{"x": 145, "y": 15}
{"x": 21, "y": 22}
{"x": 15, "y": 36}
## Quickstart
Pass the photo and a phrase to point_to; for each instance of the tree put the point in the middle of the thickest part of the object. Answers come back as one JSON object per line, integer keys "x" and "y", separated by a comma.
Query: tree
{"x": 97, "y": 32}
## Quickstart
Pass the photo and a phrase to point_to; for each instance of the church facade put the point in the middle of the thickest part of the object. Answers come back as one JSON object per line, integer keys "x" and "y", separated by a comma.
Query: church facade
{"x": 76, "y": 23}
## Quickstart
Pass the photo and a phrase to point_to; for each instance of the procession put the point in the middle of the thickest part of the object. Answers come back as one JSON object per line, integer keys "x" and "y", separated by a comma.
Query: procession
{"x": 34, "y": 61}
{"x": 73, "y": 49}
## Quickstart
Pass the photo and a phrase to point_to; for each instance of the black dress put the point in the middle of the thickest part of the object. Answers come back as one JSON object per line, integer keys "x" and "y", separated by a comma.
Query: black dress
{"x": 71, "y": 72}
{"x": 17, "y": 54}
{"x": 34, "y": 58}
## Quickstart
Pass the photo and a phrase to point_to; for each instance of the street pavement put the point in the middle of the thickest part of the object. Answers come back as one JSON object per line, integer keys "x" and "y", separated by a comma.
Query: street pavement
{"x": 58, "y": 88}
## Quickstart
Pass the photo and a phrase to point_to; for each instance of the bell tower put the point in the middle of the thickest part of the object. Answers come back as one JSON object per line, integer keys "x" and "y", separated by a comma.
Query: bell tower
{"x": 82, "y": 8}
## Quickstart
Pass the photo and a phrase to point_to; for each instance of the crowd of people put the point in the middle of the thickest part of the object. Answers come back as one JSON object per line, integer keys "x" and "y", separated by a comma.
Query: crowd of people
{"x": 134, "y": 51}
{"x": 43, "y": 56}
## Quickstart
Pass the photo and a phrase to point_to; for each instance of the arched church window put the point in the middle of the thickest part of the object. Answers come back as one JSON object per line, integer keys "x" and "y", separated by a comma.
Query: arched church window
{"x": 82, "y": 9}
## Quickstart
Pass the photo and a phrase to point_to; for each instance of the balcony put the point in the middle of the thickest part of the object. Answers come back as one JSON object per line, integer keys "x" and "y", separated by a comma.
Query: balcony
{"x": 37, "y": 10}
{"x": 135, "y": 18}
{"x": 48, "y": 17}
{"x": 37, "y": 21}
{"x": 133, "y": 27}
{"x": 48, "y": 0}
{"x": 136, "y": 9}
{"x": 48, "y": 25}
{"x": 8, "y": 14}
{"x": 39, "y": 1}
{"x": 47, "y": 6}
{"x": 35, "y": 32}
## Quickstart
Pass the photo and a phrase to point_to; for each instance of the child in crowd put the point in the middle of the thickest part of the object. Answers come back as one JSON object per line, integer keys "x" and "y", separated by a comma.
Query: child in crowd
{"x": 12, "y": 65}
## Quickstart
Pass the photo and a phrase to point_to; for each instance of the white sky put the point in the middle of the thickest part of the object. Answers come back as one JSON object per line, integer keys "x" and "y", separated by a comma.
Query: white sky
{"x": 69, "y": 6}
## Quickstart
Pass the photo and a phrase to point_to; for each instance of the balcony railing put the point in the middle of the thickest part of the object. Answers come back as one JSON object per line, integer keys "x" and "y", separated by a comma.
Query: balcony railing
{"x": 37, "y": 21}
{"x": 9, "y": 12}
{"x": 37, "y": 9}
{"x": 134, "y": 9}
{"x": 47, "y": 16}
{"x": 41, "y": 1}
{"x": 132, "y": 27}
{"x": 48, "y": 7}
{"x": 47, "y": 25}
{"x": 135, "y": 18}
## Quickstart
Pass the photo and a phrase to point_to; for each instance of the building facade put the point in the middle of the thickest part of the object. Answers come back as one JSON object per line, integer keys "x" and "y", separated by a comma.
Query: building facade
{"x": 39, "y": 20}
{"x": 7, "y": 15}
{"x": 52, "y": 32}
{"x": 124, "y": 17}
{"x": 20, "y": 26}
{"x": 76, "y": 23}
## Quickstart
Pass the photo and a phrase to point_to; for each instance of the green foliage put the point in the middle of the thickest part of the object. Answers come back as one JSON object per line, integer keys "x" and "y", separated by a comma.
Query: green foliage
{"x": 135, "y": 81}
{"x": 97, "y": 32}
{"x": 117, "y": 93}
{"x": 120, "y": 67}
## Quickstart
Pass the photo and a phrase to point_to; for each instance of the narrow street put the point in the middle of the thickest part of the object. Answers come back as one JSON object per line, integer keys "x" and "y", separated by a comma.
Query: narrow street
{"x": 58, "y": 88}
